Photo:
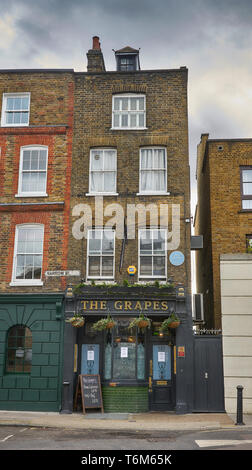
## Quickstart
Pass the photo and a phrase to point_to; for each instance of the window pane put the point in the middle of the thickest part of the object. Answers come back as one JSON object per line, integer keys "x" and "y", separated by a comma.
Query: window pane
{"x": 17, "y": 118}
{"x": 94, "y": 246}
{"x": 23, "y": 118}
{"x": 34, "y": 159}
{"x": 247, "y": 188}
{"x": 141, "y": 104}
{"x": 42, "y": 159}
{"x": 109, "y": 160}
{"x": 125, "y": 102}
{"x": 145, "y": 242}
{"x": 247, "y": 204}
{"x": 25, "y": 182}
{"x": 124, "y": 120}
{"x": 158, "y": 242}
{"x": 109, "y": 181}
{"x": 26, "y": 160}
{"x": 17, "y": 104}
{"x": 107, "y": 266}
{"x": 159, "y": 265}
{"x": 145, "y": 265}
{"x": 9, "y": 104}
{"x": 124, "y": 367}
{"x": 133, "y": 104}
{"x": 247, "y": 176}
{"x": 25, "y": 103}
{"x": 141, "y": 120}
{"x": 116, "y": 104}
{"x": 94, "y": 266}
{"x": 41, "y": 183}
{"x": 9, "y": 118}
{"x": 133, "y": 120}
{"x": 108, "y": 241}
{"x": 96, "y": 160}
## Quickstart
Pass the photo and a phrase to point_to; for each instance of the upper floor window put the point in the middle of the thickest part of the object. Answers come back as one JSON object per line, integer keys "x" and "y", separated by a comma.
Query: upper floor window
{"x": 152, "y": 253}
{"x": 19, "y": 350}
{"x": 129, "y": 112}
{"x": 100, "y": 254}
{"x": 153, "y": 170}
{"x": 15, "y": 109}
{"x": 102, "y": 171}
{"x": 126, "y": 63}
{"x": 28, "y": 255}
{"x": 246, "y": 187}
{"x": 32, "y": 171}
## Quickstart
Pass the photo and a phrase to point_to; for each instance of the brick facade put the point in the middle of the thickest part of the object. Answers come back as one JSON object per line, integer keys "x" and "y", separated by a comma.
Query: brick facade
{"x": 50, "y": 125}
{"x": 219, "y": 215}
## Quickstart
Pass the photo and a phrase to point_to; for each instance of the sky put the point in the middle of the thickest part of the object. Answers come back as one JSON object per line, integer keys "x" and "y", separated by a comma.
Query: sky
{"x": 211, "y": 37}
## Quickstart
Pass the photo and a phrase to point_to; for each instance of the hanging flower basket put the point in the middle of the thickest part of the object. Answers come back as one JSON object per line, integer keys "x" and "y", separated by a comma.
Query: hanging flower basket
{"x": 171, "y": 322}
{"x": 77, "y": 321}
{"x": 141, "y": 322}
{"x": 104, "y": 324}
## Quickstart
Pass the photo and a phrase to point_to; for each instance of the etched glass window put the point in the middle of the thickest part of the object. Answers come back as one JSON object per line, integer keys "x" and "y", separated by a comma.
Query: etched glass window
{"x": 19, "y": 350}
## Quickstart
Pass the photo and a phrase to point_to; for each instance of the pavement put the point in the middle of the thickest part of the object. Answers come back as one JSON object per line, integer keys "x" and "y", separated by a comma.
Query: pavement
{"x": 151, "y": 421}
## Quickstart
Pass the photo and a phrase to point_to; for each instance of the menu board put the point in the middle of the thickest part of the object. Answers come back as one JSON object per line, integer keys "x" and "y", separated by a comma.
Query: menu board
{"x": 90, "y": 388}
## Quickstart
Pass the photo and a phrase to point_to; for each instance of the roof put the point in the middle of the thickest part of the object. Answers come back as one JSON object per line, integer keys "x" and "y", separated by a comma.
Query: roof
{"x": 126, "y": 50}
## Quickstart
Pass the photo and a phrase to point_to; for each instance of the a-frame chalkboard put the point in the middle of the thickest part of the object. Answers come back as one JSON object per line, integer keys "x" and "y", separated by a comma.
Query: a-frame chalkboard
{"x": 89, "y": 387}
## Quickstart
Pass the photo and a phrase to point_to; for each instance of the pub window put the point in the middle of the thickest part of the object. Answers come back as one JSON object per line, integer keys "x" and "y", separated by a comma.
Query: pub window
{"x": 19, "y": 350}
{"x": 246, "y": 187}
{"x": 124, "y": 353}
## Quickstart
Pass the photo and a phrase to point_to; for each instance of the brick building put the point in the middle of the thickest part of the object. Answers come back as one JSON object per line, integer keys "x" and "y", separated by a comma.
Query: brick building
{"x": 35, "y": 167}
{"x": 223, "y": 213}
{"x": 130, "y": 147}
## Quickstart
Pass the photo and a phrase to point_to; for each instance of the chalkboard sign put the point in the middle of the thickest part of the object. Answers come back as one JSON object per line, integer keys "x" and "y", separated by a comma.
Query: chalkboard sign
{"x": 89, "y": 386}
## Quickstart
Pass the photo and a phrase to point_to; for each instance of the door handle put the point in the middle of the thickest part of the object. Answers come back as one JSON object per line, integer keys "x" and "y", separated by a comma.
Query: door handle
{"x": 206, "y": 375}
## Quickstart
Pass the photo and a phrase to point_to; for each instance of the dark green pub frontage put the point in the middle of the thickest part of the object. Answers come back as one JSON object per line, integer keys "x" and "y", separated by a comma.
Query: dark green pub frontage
{"x": 141, "y": 369}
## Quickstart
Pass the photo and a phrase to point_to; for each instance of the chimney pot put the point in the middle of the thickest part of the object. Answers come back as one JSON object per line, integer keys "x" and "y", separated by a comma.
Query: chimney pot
{"x": 96, "y": 43}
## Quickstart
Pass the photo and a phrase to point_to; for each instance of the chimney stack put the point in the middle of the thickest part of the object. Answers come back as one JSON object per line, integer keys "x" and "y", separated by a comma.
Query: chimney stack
{"x": 95, "y": 57}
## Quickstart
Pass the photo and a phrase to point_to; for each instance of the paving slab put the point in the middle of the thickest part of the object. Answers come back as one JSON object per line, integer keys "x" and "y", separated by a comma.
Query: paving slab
{"x": 151, "y": 421}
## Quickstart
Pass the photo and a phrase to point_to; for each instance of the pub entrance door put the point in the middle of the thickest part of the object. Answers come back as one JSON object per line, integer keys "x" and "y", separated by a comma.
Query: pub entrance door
{"x": 162, "y": 395}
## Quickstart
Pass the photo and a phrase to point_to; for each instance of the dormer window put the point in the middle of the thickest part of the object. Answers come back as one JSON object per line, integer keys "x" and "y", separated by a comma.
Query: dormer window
{"x": 127, "y": 59}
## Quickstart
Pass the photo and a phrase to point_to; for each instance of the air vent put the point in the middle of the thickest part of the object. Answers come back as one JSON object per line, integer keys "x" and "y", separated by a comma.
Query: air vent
{"x": 220, "y": 148}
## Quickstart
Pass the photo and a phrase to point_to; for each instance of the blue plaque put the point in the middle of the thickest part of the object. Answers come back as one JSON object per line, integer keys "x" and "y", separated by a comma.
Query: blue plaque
{"x": 176, "y": 258}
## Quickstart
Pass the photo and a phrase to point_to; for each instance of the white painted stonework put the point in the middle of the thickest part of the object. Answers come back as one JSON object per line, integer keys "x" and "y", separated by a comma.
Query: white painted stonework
{"x": 236, "y": 304}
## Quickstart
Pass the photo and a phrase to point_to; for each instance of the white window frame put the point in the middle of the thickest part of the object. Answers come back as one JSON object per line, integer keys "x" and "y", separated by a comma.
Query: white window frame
{"x": 128, "y": 95}
{"x": 152, "y": 192}
{"x": 139, "y": 254}
{"x": 4, "y": 102}
{"x": 25, "y": 282}
{"x": 105, "y": 193}
{"x": 88, "y": 255}
{"x": 21, "y": 171}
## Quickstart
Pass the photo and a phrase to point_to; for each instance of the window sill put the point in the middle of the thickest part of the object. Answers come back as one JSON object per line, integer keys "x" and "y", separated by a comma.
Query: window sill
{"x": 129, "y": 128}
{"x": 32, "y": 195}
{"x": 153, "y": 194}
{"x": 102, "y": 194}
{"x": 26, "y": 283}
{"x": 14, "y": 125}
{"x": 244, "y": 211}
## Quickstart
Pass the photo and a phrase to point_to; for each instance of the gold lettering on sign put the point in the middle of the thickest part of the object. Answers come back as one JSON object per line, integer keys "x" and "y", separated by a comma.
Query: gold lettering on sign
{"x": 84, "y": 302}
{"x": 147, "y": 304}
{"x": 156, "y": 305}
{"x": 138, "y": 305}
{"x": 118, "y": 305}
{"x": 103, "y": 304}
{"x": 93, "y": 305}
{"x": 127, "y": 305}
{"x": 164, "y": 305}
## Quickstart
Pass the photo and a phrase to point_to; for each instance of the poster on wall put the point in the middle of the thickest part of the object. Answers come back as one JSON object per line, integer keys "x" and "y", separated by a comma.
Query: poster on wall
{"x": 124, "y": 352}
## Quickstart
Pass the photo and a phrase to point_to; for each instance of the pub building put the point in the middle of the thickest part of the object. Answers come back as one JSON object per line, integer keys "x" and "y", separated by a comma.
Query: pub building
{"x": 130, "y": 146}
